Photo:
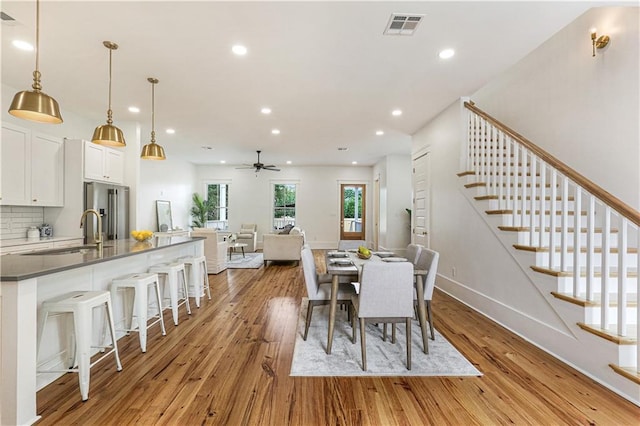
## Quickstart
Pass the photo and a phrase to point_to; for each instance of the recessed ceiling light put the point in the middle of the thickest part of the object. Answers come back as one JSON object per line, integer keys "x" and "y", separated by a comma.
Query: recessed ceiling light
{"x": 222, "y": 161}
{"x": 288, "y": 161}
{"x": 239, "y": 50}
{"x": 171, "y": 131}
{"x": 447, "y": 53}
{"x": 275, "y": 132}
{"x": 396, "y": 112}
{"x": 134, "y": 109}
{"x": 354, "y": 162}
{"x": 22, "y": 45}
{"x": 379, "y": 132}
{"x": 266, "y": 110}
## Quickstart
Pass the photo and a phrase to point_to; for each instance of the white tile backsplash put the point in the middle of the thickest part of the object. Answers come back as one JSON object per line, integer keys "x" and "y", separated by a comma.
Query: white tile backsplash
{"x": 15, "y": 220}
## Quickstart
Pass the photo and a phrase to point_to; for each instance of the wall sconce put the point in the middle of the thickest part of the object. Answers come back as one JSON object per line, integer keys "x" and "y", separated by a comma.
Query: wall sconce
{"x": 599, "y": 42}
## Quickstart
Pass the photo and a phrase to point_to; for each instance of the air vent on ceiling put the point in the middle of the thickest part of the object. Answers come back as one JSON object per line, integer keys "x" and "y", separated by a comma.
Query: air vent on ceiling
{"x": 403, "y": 23}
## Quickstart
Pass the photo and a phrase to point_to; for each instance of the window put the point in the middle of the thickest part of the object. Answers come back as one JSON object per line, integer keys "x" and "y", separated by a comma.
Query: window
{"x": 284, "y": 205}
{"x": 218, "y": 200}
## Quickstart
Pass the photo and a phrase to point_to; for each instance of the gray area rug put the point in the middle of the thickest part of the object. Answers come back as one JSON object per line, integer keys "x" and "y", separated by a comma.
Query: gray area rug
{"x": 249, "y": 261}
{"x": 383, "y": 358}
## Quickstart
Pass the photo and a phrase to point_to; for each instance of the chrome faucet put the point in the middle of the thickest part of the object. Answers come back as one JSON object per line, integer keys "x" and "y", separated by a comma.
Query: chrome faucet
{"x": 99, "y": 238}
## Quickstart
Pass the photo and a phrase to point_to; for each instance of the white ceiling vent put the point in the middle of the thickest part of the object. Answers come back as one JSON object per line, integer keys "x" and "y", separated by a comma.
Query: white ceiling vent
{"x": 403, "y": 23}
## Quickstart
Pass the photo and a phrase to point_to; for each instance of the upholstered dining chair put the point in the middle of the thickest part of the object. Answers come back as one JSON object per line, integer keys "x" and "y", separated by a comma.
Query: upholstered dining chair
{"x": 428, "y": 261}
{"x": 413, "y": 252}
{"x": 319, "y": 293}
{"x": 385, "y": 295}
{"x": 350, "y": 244}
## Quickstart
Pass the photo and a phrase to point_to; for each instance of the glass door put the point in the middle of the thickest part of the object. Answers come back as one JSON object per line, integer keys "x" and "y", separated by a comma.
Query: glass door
{"x": 352, "y": 211}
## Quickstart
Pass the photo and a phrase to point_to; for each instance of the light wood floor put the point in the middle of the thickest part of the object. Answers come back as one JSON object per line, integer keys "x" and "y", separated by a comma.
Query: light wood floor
{"x": 228, "y": 364}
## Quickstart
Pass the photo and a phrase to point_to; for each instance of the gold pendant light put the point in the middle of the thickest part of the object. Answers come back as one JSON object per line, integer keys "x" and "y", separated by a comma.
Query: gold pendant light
{"x": 108, "y": 134}
{"x": 36, "y": 105}
{"x": 153, "y": 151}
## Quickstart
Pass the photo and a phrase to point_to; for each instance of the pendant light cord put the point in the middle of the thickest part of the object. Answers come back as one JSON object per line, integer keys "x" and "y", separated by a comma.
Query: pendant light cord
{"x": 36, "y": 86}
{"x": 153, "y": 112}
{"x": 109, "y": 111}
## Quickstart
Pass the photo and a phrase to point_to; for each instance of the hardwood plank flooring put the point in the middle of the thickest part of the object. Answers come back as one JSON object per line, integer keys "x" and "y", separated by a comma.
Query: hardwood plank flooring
{"x": 228, "y": 364}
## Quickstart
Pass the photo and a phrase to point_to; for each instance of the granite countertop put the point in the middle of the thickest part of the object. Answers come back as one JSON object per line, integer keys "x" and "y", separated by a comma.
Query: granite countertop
{"x": 16, "y": 267}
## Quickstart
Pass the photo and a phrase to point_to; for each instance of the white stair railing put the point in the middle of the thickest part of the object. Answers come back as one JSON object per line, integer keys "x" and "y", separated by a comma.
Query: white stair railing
{"x": 587, "y": 231}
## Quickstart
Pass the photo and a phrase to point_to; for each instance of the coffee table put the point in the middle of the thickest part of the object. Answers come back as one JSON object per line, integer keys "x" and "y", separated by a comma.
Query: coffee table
{"x": 234, "y": 246}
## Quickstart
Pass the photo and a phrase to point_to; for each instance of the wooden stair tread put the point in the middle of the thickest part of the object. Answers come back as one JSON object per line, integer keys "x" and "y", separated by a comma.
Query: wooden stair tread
{"x": 613, "y": 272}
{"x": 630, "y": 373}
{"x": 609, "y": 334}
{"x": 582, "y": 301}
{"x": 613, "y": 250}
{"x": 547, "y": 229}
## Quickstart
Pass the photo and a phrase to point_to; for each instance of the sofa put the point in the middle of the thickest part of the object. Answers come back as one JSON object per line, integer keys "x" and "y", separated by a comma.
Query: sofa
{"x": 281, "y": 247}
{"x": 215, "y": 249}
{"x": 248, "y": 235}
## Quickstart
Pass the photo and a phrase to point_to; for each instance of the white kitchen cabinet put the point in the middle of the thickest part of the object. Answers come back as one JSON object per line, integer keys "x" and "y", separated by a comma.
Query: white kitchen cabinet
{"x": 103, "y": 164}
{"x": 32, "y": 168}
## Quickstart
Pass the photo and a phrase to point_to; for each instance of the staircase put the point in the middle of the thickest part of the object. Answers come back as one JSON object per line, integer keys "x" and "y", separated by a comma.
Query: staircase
{"x": 576, "y": 242}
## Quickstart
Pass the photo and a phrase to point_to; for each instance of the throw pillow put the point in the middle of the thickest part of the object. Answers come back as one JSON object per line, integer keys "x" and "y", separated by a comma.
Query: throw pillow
{"x": 246, "y": 231}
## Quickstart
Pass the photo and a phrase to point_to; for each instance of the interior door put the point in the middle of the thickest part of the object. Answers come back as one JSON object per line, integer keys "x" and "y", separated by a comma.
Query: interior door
{"x": 352, "y": 211}
{"x": 421, "y": 200}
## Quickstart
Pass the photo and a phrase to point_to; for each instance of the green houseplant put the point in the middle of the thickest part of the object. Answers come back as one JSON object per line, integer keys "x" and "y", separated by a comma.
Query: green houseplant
{"x": 200, "y": 210}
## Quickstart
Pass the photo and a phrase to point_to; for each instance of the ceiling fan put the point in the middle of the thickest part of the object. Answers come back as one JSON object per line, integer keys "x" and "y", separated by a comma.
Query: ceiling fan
{"x": 259, "y": 166}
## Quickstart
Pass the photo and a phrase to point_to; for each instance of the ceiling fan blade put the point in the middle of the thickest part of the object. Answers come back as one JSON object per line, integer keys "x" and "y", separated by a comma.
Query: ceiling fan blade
{"x": 272, "y": 168}
{"x": 245, "y": 167}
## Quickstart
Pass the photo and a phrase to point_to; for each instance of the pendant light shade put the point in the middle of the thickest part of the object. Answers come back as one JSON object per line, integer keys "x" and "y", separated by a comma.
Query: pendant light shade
{"x": 108, "y": 134}
{"x": 153, "y": 151}
{"x": 33, "y": 104}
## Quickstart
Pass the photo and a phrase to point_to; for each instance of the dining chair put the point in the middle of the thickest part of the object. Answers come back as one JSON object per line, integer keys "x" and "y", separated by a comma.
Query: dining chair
{"x": 319, "y": 293}
{"x": 385, "y": 296}
{"x": 413, "y": 252}
{"x": 428, "y": 261}
{"x": 350, "y": 244}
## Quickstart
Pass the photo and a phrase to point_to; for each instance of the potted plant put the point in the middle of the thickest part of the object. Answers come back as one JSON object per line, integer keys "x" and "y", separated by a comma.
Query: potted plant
{"x": 199, "y": 210}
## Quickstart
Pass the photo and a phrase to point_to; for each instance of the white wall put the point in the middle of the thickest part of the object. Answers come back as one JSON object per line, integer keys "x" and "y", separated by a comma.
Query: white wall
{"x": 546, "y": 98}
{"x": 317, "y": 204}
{"x": 581, "y": 109}
{"x": 394, "y": 174}
{"x": 170, "y": 180}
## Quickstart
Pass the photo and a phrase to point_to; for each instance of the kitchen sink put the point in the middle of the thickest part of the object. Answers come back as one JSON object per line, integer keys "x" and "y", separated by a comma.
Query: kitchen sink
{"x": 65, "y": 250}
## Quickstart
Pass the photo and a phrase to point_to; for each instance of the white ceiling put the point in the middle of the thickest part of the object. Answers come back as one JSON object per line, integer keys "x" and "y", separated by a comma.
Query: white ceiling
{"x": 325, "y": 68}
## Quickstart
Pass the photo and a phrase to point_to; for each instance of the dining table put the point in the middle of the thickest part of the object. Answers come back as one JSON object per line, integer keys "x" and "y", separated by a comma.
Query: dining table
{"x": 349, "y": 263}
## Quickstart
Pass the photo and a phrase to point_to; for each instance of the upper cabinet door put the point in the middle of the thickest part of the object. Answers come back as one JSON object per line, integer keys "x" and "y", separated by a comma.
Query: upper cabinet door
{"x": 93, "y": 161}
{"x": 114, "y": 166}
{"x": 47, "y": 170}
{"x": 15, "y": 173}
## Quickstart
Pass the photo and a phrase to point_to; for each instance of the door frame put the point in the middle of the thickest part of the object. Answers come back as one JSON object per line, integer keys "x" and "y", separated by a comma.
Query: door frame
{"x": 365, "y": 206}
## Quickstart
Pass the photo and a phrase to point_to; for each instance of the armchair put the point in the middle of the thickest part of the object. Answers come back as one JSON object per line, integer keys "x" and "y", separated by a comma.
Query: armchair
{"x": 215, "y": 250}
{"x": 248, "y": 235}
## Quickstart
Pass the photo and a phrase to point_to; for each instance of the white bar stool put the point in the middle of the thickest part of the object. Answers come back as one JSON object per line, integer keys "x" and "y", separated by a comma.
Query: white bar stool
{"x": 81, "y": 304}
{"x": 140, "y": 284}
{"x": 197, "y": 275}
{"x": 170, "y": 272}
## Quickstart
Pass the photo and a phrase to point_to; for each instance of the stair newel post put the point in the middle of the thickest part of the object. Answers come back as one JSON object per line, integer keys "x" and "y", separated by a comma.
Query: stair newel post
{"x": 525, "y": 177}
{"x": 500, "y": 159}
{"x": 577, "y": 208}
{"x": 552, "y": 218}
{"x": 532, "y": 201}
{"x": 543, "y": 195}
{"x": 564, "y": 225}
{"x": 606, "y": 266}
{"x": 622, "y": 276}
{"x": 591, "y": 216}
{"x": 508, "y": 177}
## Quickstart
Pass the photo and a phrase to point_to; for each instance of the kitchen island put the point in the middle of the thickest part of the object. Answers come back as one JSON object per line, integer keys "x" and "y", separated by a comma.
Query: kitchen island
{"x": 27, "y": 280}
